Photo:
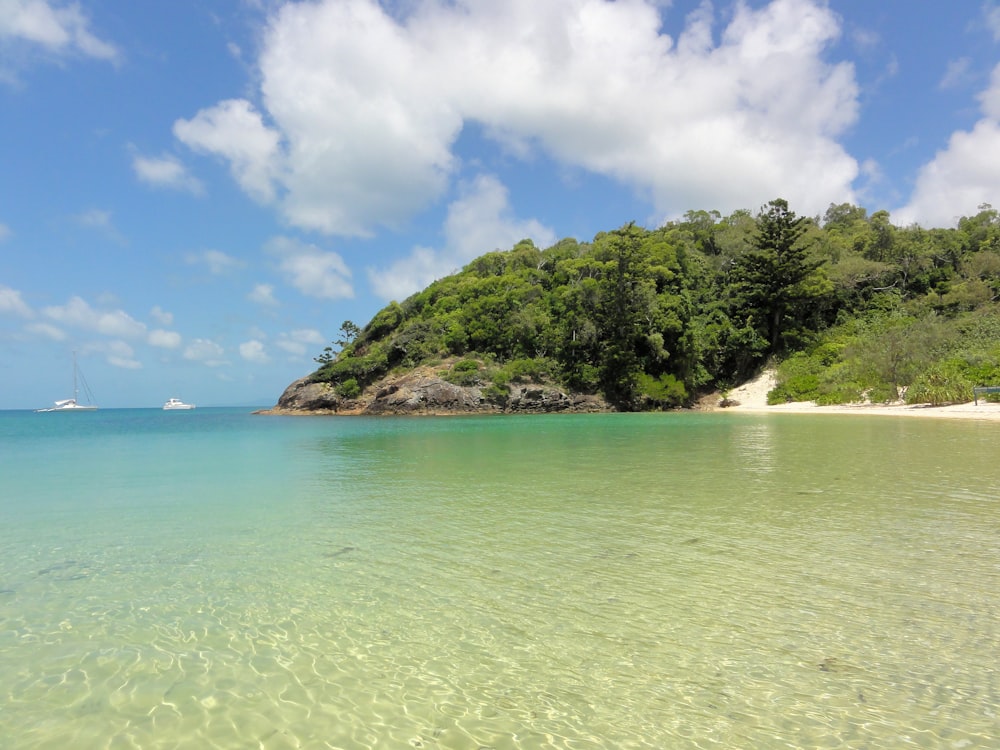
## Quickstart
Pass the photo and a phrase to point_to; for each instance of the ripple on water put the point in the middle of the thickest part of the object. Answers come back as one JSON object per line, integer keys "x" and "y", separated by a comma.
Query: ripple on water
{"x": 642, "y": 597}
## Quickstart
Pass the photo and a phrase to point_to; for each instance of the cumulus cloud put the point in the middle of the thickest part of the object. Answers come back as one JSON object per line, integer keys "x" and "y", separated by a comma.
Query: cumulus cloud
{"x": 207, "y": 352}
{"x": 11, "y": 303}
{"x": 78, "y": 313}
{"x": 253, "y": 351}
{"x": 217, "y": 261}
{"x": 963, "y": 175}
{"x": 237, "y": 133}
{"x": 478, "y": 222}
{"x": 360, "y": 109}
{"x": 166, "y": 171}
{"x": 58, "y": 28}
{"x": 164, "y": 339}
{"x": 314, "y": 272}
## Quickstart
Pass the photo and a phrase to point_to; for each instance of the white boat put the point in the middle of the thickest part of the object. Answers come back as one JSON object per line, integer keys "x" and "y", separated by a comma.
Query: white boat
{"x": 176, "y": 403}
{"x": 71, "y": 404}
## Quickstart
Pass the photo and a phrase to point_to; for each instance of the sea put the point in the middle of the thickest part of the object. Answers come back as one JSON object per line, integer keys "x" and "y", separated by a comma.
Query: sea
{"x": 220, "y": 579}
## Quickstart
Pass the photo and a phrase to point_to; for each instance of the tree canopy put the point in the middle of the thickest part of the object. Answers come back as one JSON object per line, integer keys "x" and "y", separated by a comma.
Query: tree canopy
{"x": 851, "y": 305}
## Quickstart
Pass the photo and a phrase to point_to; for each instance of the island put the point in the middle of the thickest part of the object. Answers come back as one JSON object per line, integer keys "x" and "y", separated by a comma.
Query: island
{"x": 841, "y": 310}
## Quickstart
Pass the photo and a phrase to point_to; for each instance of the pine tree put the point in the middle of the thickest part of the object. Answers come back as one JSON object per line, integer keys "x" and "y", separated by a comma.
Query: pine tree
{"x": 770, "y": 278}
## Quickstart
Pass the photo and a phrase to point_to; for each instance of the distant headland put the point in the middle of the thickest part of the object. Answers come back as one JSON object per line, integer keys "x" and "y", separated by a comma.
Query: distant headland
{"x": 844, "y": 309}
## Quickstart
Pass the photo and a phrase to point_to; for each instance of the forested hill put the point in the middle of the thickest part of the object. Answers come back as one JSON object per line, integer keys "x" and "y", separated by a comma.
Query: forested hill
{"x": 851, "y": 306}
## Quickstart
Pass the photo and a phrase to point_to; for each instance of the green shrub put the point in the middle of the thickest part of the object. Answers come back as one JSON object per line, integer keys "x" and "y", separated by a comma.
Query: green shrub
{"x": 832, "y": 394}
{"x": 349, "y": 389}
{"x": 528, "y": 370}
{"x": 583, "y": 377}
{"x": 945, "y": 383}
{"x": 466, "y": 365}
{"x": 665, "y": 390}
{"x": 828, "y": 353}
{"x": 465, "y": 372}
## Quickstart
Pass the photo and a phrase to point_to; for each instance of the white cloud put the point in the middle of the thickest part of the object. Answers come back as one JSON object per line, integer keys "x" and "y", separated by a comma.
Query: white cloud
{"x": 96, "y": 218}
{"x": 263, "y": 294}
{"x": 236, "y": 132}
{"x": 79, "y": 314}
{"x": 360, "y": 109}
{"x": 11, "y": 303}
{"x": 297, "y": 342}
{"x": 478, "y": 222}
{"x": 957, "y": 73}
{"x": 963, "y": 175}
{"x": 166, "y": 171}
{"x": 100, "y": 220}
{"x": 4, "y": 232}
{"x": 120, "y": 354}
{"x": 164, "y": 339}
{"x": 314, "y": 272}
{"x": 59, "y": 28}
{"x": 161, "y": 316}
{"x": 253, "y": 351}
{"x": 47, "y": 330}
{"x": 207, "y": 352}
{"x": 217, "y": 261}
{"x": 990, "y": 98}
{"x": 991, "y": 16}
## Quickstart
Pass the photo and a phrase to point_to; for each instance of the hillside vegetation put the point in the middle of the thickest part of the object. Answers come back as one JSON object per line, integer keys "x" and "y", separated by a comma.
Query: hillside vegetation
{"x": 851, "y": 306}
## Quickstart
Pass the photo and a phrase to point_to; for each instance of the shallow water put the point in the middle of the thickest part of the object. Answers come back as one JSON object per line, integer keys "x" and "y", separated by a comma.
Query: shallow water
{"x": 215, "y": 579}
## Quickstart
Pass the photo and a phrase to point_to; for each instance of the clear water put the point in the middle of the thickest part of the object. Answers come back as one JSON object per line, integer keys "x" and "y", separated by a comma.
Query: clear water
{"x": 214, "y": 579}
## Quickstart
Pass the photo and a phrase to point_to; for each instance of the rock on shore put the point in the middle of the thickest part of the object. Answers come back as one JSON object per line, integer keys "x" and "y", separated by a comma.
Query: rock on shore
{"x": 422, "y": 391}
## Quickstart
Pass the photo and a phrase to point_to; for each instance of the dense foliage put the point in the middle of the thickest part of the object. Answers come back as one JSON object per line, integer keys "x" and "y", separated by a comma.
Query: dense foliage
{"x": 851, "y": 306}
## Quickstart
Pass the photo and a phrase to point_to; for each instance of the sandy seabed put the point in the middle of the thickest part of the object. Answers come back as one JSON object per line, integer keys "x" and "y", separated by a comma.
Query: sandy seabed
{"x": 752, "y": 397}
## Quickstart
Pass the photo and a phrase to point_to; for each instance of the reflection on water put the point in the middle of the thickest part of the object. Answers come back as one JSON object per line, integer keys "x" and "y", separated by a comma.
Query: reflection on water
{"x": 754, "y": 445}
{"x": 643, "y": 581}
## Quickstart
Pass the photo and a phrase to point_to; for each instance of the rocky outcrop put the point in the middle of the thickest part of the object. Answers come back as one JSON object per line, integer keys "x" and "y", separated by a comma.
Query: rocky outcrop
{"x": 424, "y": 392}
{"x": 304, "y": 396}
{"x": 541, "y": 398}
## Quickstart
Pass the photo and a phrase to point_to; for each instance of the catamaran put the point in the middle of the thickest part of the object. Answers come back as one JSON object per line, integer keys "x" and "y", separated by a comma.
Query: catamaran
{"x": 71, "y": 404}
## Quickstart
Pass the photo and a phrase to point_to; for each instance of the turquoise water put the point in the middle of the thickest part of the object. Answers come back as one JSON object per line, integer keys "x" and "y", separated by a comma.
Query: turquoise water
{"x": 215, "y": 579}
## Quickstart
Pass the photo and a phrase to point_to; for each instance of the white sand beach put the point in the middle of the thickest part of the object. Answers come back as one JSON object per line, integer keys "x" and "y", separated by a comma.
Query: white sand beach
{"x": 752, "y": 397}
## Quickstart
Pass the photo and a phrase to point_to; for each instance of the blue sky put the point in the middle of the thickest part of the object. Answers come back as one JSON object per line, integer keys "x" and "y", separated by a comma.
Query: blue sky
{"x": 195, "y": 195}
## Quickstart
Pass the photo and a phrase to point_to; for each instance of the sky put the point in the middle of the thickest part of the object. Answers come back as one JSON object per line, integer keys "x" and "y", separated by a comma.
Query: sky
{"x": 196, "y": 194}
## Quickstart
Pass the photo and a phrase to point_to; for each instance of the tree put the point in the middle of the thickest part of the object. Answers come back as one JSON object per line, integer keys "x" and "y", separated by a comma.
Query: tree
{"x": 893, "y": 351}
{"x": 774, "y": 280}
{"x": 623, "y": 293}
{"x": 349, "y": 332}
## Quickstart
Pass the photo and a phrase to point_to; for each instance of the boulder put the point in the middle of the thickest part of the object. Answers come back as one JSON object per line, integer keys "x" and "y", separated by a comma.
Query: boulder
{"x": 306, "y": 396}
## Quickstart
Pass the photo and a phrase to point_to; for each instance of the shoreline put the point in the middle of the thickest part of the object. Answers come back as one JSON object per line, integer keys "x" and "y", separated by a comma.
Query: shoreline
{"x": 982, "y": 411}
{"x": 752, "y": 398}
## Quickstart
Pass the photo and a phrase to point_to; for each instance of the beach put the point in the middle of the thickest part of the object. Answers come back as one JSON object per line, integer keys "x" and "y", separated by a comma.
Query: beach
{"x": 752, "y": 397}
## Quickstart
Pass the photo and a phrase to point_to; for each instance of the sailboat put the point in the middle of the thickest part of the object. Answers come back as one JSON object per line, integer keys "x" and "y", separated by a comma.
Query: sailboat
{"x": 70, "y": 404}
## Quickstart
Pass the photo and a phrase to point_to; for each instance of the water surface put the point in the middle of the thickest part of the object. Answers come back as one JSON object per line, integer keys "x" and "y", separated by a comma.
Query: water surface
{"x": 218, "y": 579}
